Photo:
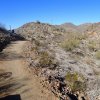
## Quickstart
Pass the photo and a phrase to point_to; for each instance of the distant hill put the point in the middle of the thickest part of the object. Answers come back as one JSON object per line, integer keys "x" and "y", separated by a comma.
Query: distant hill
{"x": 38, "y": 29}
{"x": 94, "y": 29}
{"x": 69, "y": 27}
{"x": 35, "y": 27}
{"x": 84, "y": 27}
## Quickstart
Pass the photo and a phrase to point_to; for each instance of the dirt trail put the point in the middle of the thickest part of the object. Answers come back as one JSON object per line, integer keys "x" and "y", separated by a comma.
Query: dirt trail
{"x": 21, "y": 81}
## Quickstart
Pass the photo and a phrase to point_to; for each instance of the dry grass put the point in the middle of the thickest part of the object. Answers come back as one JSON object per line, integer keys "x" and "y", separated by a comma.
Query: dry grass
{"x": 72, "y": 41}
{"x": 70, "y": 44}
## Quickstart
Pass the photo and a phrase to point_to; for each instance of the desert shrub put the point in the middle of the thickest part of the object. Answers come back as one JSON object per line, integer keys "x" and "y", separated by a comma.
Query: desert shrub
{"x": 92, "y": 45}
{"x": 97, "y": 54}
{"x": 70, "y": 44}
{"x": 71, "y": 77}
{"x": 78, "y": 86}
{"x": 76, "y": 36}
{"x": 81, "y": 37}
{"x": 46, "y": 60}
{"x": 43, "y": 58}
{"x": 74, "y": 82}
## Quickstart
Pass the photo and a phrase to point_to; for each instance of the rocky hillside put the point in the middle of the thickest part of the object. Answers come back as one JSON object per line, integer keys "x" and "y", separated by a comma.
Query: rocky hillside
{"x": 69, "y": 59}
{"x": 6, "y": 37}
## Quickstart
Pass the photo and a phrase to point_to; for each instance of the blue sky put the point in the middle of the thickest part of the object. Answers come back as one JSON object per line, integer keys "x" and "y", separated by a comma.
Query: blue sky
{"x": 19, "y": 12}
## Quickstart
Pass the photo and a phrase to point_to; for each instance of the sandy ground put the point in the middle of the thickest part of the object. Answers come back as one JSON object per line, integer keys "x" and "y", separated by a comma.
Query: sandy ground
{"x": 18, "y": 79}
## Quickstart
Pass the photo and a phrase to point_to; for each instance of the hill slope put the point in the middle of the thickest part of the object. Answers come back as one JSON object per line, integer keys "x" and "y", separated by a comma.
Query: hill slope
{"x": 65, "y": 53}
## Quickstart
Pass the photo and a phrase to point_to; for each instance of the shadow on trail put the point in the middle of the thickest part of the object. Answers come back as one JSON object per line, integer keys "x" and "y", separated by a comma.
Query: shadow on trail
{"x": 11, "y": 97}
{"x": 9, "y": 85}
{"x": 10, "y": 56}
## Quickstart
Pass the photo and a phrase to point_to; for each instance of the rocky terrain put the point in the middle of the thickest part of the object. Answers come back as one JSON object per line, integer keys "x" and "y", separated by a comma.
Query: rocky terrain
{"x": 6, "y": 37}
{"x": 68, "y": 56}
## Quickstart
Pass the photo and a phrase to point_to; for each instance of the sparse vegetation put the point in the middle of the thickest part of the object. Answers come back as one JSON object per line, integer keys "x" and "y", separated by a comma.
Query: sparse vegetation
{"x": 97, "y": 55}
{"x": 92, "y": 45}
{"x": 72, "y": 77}
{"x": 70, "y": 44}
{"x": 72, "y": 41}
{"x": 82, "y": 50}
{"x": 75, "y": 83}
{"x": 82, "y": 37}
{"x": 46, "y": 60}
{"x": 79, "y": 86}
